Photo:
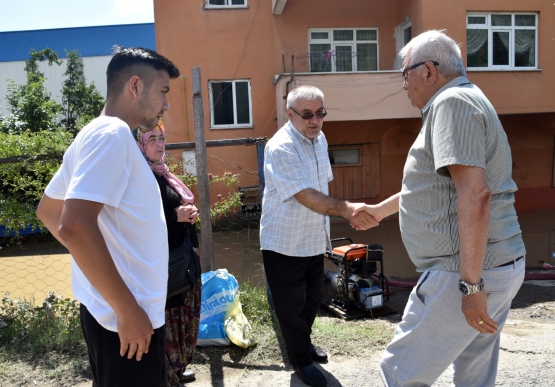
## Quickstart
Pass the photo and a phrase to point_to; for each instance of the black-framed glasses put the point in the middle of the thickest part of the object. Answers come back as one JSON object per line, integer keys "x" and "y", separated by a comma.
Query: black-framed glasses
{"x": 308, "y": 116}
{"x": 404, "y": 73}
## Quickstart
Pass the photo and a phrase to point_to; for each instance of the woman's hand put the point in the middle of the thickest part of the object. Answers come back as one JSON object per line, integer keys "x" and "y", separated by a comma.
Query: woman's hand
{"x": 187, "y": 213}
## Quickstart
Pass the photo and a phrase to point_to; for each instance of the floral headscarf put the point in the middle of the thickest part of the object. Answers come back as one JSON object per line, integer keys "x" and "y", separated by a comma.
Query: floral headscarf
{"x": 160, "y": 167}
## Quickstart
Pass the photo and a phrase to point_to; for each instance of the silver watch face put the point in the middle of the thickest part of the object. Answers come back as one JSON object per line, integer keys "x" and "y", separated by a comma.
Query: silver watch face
{"x": 463, "y": 288}
{"x": 468, "y": 290}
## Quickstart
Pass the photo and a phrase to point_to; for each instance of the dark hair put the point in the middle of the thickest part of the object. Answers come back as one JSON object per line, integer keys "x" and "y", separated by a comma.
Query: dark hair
{"x": 127, "y": 62}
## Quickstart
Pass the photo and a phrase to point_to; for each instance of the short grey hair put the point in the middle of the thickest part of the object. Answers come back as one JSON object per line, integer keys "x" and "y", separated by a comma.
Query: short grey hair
{"x": 304, "y": 92}
{"x": 434, "y": 45}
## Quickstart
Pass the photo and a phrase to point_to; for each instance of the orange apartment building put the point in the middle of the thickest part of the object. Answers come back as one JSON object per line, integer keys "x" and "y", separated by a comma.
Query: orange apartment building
{"x": 348, "y": 49}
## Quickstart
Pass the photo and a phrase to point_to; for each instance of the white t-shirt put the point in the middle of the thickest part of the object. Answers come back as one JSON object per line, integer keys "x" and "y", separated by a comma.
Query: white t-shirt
{"x": 104, "y": 165}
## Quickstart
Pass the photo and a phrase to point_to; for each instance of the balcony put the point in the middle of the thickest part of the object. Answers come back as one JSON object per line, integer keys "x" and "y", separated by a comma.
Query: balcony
{"x": 352, "y": 96}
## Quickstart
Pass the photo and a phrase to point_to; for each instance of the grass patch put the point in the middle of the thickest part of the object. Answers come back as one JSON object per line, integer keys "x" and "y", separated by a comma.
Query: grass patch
{"x": 41, "y": 343}
{"x": 46, "y": 343}
{"x": 334, "y": 335}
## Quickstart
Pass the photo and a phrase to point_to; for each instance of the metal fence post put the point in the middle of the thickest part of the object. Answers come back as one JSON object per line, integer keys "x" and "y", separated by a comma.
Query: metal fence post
{"x": 202, "y": 175}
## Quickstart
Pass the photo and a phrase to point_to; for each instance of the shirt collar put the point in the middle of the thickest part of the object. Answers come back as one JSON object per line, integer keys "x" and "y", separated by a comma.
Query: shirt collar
{"x": 295, "y": 133}
{"x": 453, "y": 83}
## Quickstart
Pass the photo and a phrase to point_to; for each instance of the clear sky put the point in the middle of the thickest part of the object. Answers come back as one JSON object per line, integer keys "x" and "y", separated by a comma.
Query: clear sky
{"x": 22, "y": 15}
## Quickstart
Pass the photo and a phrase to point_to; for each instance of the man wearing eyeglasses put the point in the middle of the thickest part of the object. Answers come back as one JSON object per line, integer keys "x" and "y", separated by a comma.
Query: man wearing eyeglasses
{"x": 458, "y": 224}
{"x": 295, "y": 226}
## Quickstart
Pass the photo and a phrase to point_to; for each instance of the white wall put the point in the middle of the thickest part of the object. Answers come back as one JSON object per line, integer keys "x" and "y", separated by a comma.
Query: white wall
{"x": 94, "y": 68}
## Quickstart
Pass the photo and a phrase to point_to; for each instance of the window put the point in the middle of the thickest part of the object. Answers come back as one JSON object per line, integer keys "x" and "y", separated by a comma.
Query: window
{"x": 189, "y": 162}
{"x": 225, "y": 4}
{"x": 335, "y": 50}
{"x": 502, "y": 41}
{"x": 403, "y": 35}
{"x": 342, "y": 156}
{"x": 230, "y": 104}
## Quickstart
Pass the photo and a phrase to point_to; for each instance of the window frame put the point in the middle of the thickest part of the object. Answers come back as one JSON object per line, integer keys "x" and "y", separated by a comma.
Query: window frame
{"x": 235, "y": 125}
{"x": 353, "y": 42}
{"x": 511, "y": 29}
{"x": 332, "y": 148}
{"x": 399, "y": 39}
{"x": 207, "y": 5}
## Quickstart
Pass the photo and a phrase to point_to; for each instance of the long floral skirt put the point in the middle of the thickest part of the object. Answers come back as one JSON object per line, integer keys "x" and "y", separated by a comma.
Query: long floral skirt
{"x": 182, "y": 324}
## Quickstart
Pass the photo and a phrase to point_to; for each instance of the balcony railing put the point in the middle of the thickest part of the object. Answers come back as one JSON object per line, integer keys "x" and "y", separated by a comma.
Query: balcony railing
{"x": 340, "y": 61}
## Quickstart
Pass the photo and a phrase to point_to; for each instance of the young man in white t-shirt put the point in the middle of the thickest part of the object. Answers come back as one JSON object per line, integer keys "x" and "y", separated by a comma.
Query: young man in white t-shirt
{"x": 104, "y": 205}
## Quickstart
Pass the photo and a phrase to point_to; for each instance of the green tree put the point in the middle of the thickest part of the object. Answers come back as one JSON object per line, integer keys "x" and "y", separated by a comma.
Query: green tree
{"x": 40, "y": 129}
{"x": 81, "y": 103}
{"x": 31, "y": 107}
{"x": 22, "y": 183}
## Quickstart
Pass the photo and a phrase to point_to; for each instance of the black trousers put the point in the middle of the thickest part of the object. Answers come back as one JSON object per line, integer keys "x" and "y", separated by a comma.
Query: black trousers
{"x": 109, "y": 369}
{"x": 297, "y": 287}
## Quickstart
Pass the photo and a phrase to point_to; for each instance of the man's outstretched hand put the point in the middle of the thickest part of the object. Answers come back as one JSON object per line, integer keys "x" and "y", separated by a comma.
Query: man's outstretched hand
{"x": 360, "y": 219}
{"x": 366, "y": 210}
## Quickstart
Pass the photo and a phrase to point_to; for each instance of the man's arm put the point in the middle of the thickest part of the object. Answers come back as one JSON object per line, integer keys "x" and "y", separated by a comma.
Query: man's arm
{"x": 78, "y": 229}
{"x": 383, "y": 209}
{"x": 327, "y": 205}
{"x": 49, "y": 212}
{"x": 473, "y": 208}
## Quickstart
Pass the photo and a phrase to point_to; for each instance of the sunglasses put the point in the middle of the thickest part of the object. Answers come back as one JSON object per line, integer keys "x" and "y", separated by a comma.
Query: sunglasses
{"x": 308, "y": 116}
{"x": 404, "y": 73}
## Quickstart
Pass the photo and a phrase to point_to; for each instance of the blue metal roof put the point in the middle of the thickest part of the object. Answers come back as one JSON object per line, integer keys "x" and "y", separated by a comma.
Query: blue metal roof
{"x": 89, "y": 41}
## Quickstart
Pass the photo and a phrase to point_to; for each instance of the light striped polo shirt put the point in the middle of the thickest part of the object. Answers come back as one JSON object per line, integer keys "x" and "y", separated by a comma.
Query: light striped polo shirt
{"x": 460, "y": 126}
{"x": 292, "y": 163}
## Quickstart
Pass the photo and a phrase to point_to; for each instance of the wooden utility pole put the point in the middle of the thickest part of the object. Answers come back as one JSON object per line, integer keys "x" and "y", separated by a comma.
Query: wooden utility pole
{"x": 202, "y": 175}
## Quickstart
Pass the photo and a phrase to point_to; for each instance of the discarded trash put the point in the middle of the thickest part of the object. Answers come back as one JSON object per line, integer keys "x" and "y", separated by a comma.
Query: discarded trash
{"x": 219, "y": 289}
{"x": 548, "y": 266}
{"x": 237, "y": 327}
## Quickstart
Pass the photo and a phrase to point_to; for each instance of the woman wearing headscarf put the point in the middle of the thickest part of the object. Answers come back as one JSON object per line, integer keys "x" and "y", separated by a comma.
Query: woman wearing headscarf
{"x": 182, "y": 310}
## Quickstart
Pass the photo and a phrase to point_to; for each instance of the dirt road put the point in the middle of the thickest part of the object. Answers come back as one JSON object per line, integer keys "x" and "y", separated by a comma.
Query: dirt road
{"x": 527, "y": 356}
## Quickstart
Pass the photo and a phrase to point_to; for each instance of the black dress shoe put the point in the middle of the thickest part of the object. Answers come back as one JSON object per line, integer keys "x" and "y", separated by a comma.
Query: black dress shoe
{"x": 318, "y": 355}
{"x": 312, "y": 376}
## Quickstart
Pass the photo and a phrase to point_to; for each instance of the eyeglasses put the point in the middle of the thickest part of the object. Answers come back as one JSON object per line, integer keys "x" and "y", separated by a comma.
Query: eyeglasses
{"x": 405, "y": 74}
{"x": 308, "y": 116}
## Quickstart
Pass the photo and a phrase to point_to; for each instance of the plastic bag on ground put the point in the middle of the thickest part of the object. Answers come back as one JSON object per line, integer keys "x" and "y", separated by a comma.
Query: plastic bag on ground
{"x": 219, "y": 289}
{"x": 237, "y": 326}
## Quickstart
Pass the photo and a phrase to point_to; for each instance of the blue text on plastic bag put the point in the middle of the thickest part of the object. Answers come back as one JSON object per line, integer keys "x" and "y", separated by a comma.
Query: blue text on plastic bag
{"x": 219, "y": 289}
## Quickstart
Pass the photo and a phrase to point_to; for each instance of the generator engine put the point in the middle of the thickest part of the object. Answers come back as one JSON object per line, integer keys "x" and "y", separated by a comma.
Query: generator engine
{"x": 355, "y": 284}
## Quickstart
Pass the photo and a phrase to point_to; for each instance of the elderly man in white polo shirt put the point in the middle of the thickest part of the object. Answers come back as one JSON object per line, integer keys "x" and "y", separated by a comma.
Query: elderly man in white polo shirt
{"x": 458, "y": 223}
{"x": 295, "y": 226}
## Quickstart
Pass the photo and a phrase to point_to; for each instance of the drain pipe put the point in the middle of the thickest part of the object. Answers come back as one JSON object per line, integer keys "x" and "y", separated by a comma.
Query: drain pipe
{"x": 184, "y": 108}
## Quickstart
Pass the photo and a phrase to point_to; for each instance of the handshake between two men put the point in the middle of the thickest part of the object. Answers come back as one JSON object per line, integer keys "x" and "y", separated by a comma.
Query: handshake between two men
{"x": 364, "y": 216}
{"x": 361, "y": 216}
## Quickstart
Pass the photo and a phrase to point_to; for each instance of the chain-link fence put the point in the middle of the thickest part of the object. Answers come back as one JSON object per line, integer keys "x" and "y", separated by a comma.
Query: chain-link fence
{"x": 34, "y": 264}
{"x": 235, "y": 235}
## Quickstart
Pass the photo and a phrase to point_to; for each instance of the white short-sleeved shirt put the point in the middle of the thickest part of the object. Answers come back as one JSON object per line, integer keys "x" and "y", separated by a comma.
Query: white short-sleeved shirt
{"x": 104, "y": 165}
{"x": 292, "y": 163}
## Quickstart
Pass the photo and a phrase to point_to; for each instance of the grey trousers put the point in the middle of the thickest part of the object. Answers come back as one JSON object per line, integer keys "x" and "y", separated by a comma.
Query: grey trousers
{"x": 434, "y": 334}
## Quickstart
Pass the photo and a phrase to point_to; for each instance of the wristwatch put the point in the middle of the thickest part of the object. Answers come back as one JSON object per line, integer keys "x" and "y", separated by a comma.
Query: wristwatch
{"x": 467, "y": 289}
